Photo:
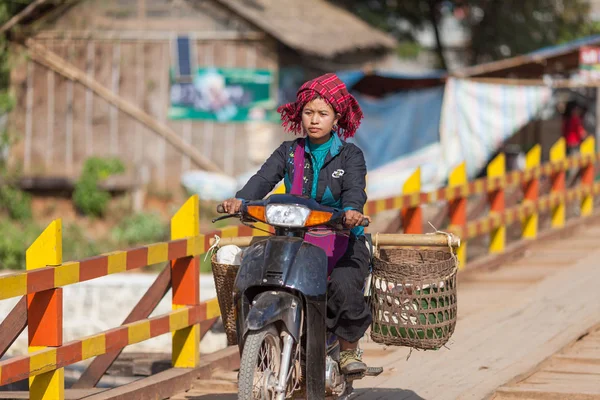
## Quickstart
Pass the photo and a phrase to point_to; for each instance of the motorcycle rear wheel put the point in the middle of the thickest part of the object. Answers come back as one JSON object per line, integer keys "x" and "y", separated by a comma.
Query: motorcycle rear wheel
{"x": 260, "y": 365}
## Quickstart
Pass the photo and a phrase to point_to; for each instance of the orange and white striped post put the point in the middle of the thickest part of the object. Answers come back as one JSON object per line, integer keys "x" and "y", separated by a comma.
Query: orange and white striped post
{"x": 412, "y": 217}
{"x": 588, "y": 148}
{"x": 185, "y": 279}
{"x": 458, "y": 208}
{"x": 557, "y": 155}
{"x": 531, "y": 191}
{"x": 497, "y": 169}
{"x": 45, "y": 315}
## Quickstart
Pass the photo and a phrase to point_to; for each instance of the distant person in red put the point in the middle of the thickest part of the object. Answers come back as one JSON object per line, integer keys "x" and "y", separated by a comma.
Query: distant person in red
{"x": 573, "y": 130}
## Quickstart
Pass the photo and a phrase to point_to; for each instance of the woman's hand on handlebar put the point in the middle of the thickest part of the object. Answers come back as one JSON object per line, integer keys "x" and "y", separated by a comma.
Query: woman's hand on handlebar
{"x": 230, "y": 206}
{"x": 353, "y": 218}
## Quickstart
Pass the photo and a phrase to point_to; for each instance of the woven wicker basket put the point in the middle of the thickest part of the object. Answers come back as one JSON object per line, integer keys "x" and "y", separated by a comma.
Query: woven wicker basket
{"x": 224, "y": 275}
{"x": 413, "y": 297}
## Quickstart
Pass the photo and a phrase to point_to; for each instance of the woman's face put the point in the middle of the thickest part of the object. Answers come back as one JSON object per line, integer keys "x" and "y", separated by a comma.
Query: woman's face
{"x": 318, "y": 119}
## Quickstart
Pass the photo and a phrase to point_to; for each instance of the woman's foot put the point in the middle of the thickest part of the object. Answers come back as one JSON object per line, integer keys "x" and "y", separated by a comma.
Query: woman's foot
{"x": 351, "y": 362}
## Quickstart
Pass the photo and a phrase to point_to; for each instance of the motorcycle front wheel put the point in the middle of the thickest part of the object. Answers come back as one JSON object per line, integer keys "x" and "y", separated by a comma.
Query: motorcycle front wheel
{"x": 260, "y": 365}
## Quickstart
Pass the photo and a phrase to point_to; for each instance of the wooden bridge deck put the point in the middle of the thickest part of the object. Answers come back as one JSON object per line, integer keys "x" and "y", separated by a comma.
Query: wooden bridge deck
{"x": 573, "y": 373}
{"x": 511, "y": 320}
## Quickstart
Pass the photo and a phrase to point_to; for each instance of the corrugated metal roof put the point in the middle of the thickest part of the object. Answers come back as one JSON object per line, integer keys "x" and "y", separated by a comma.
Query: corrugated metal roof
{"x": 534, "y": 57}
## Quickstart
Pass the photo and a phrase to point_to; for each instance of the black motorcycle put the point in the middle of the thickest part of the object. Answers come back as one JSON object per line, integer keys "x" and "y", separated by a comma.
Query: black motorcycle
{"x": 280, "y": 297}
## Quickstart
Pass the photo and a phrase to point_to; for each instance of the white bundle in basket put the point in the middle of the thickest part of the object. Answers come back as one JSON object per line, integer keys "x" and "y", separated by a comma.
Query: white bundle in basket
{"x": 229, "y": 255}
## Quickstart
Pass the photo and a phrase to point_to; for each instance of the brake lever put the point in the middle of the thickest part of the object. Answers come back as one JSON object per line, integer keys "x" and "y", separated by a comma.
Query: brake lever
{"x": 225, "y": 217}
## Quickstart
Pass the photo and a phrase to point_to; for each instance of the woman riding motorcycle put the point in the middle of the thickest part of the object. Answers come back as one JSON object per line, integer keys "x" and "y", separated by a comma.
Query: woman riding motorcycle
{"x": 334, "y": 174}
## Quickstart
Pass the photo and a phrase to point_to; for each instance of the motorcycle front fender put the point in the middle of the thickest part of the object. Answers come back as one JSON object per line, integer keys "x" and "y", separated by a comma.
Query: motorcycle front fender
{"x": 269, "y": 307}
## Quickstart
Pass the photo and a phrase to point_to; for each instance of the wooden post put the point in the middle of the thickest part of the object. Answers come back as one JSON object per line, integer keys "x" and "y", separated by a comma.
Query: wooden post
{"x": 140, "y": 88}
{"x": 558, "y": 154}
{"x": 48, "y": 151}
{"x": 45, "y": 313}
{"x": 163, "y": 113}
{"x": 187, "y": 136}
{"x": 28, "y": 117}
{"x": 531, "y": 191}
{"x": 588, "y": 148}
{"x": 458, "y": 209}
{"x": 89, "y": 100}
{"x": 69, "y": 128}
{"x": 497, "y": 169}
{"x": 185, "y": 280}
{"x": 114, "y": 111}
{"x": 412, "y": 216}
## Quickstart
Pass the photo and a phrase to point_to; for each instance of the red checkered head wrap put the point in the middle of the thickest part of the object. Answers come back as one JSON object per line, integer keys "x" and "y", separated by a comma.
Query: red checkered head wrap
{"x": 331, "y": 89}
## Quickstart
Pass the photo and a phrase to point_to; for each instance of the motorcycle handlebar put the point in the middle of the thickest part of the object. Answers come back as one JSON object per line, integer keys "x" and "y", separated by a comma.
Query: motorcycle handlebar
{"x": 221, "y": 210}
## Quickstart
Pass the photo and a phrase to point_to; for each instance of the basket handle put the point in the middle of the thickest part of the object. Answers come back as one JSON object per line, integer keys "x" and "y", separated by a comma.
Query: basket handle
{"x": 449, "y": 236}
{"x": 211, "y": 248}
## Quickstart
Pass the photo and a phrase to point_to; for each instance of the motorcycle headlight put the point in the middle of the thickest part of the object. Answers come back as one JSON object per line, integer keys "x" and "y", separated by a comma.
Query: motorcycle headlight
{"x": 287, "y": 215}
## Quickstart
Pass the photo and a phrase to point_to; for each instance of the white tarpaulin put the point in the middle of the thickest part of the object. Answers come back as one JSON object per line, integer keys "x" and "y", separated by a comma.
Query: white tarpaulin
{"x": 476, "y": 119}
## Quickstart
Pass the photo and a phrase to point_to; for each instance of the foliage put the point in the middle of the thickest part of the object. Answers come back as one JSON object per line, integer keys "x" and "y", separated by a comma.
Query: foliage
{"x": 403, "y": 19}
{"x": 408, "y": 49}
{"x": 7, "y": 10}
{"x": 13, "y": 201}
{"x": 140, "y": 228}
{"x": 497, "y": 28}
{"x": 88, "y": 197}
{"x": 14, "y": 239}
{"x": 16, "y": 202}
{"x": 77, "y": 244}
{"x": 508, "y": 28}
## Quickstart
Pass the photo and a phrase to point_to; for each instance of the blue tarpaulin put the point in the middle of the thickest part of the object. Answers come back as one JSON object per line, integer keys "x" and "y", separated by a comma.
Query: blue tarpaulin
{"x": 398, "y": 124}
{"x": 399, "y": 121}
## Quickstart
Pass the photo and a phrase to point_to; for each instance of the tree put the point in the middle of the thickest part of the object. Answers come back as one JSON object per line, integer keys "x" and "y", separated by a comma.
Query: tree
{"x": 7, "y": 10}
{"x": 16, "y": 203}
{"x": 506, "y": 28}
{"x": 497, "y": 28}
{"x": 402, "y": 18}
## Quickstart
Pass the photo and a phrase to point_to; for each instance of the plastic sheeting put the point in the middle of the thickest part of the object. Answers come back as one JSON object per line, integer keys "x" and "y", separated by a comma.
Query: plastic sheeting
{"x": 398, "y": 125}
{"x": 475, "y": 120}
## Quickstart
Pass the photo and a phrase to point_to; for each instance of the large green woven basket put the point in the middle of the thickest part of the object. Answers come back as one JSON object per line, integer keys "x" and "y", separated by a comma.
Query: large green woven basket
{"x": 413, "y": 297}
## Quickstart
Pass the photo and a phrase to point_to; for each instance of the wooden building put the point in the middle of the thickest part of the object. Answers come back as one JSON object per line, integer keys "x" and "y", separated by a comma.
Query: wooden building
{"x": 129, "y": 48}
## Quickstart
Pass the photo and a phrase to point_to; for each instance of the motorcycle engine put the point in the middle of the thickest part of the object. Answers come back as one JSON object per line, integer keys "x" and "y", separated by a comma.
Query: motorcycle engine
{"x": 334, "y": 380}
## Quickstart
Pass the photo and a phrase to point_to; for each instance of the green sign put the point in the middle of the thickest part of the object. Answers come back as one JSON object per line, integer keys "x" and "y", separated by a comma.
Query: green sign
{"x": 224, "y": 94}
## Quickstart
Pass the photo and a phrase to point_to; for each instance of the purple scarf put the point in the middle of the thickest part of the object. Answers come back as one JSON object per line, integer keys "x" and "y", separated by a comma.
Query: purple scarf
{"x": 334, "y": 243}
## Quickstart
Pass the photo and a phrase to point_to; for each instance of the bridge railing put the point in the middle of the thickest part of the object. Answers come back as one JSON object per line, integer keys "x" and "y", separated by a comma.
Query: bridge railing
{"x": 41, "y": 307}
{"x": 495, "y": 186}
